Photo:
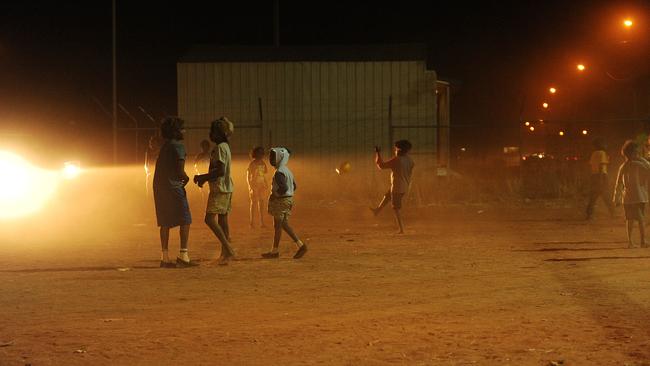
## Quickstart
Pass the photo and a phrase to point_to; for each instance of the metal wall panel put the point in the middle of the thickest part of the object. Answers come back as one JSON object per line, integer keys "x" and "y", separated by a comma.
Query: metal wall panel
{"x": 325, "y": 111}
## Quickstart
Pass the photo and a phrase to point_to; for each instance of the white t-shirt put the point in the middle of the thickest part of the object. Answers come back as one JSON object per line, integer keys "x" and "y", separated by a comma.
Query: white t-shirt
{"x": 221, "y": 153}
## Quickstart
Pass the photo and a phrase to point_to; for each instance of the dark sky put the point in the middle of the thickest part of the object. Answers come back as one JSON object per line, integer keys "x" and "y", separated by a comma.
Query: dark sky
{"x": 55, "y": 58}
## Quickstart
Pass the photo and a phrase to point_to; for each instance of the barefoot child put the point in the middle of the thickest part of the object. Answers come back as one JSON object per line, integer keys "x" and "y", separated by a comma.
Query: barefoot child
{"x": 281, "y": 202}
{"x": 169, "y": 194}
{"x": 401, "y": 167}
{"x": 632, "y": 185}
{"x": 257, "y": 186}
{"x": 221, "y": 186}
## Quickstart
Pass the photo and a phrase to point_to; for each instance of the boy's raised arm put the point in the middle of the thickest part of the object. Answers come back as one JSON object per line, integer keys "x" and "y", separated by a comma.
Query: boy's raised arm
{"x": 381, "y": 164}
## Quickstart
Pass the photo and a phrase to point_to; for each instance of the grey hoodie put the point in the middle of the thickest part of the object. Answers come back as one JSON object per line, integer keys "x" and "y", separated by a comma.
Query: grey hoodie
{"x": 283, "y": 182}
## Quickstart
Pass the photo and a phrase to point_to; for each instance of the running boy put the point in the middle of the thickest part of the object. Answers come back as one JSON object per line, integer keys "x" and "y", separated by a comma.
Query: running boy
{"x": 169, "y": 194}
{"x": 281, "y": 202}
{"x": 401, "y": 167}
{"x": 257, "y": 185}
{"x": 221, "y": 186}
{"x": 632, "y": 185}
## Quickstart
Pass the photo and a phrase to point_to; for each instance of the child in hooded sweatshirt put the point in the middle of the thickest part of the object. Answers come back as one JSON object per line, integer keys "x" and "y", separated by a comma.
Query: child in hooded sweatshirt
{"x": 281, "y": 202}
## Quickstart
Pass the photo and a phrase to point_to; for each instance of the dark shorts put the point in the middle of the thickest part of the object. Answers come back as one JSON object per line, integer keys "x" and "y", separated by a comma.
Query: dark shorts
{"x": 634, "y": 211}
{"x": 395, "y": 199}
{"x": 172, "y": 208}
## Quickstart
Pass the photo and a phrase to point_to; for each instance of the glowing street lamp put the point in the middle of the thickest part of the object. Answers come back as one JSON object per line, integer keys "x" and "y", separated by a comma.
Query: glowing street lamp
{"x": 545, "y": 105}
{"x": 584, "y": 132}
{"x": 561, "y": 133}
{"x": 552, "y": 90}
{"x": 527, "y": 124}
{"x": 581, "y": 67}
{"x": 628, "y": 23}
{"x": 532, "y": 128}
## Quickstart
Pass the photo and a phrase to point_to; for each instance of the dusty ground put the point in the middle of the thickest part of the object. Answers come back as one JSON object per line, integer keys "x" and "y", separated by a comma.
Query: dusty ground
{"x": 464, "y": 286}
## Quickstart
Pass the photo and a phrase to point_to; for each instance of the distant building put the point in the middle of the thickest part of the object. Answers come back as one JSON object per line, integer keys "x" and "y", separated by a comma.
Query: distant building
{"x": 327, "y": 104}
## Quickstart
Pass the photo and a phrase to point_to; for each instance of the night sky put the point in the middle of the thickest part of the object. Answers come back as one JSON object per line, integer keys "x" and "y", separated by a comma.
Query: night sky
{"x": 55, "y": 57}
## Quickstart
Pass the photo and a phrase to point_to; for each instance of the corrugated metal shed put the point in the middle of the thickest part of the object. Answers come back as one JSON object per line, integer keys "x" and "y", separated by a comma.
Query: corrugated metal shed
{"x": 327, "y": 104}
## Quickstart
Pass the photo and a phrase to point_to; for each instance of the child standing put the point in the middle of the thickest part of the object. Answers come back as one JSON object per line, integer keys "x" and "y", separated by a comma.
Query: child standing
{"x": 281, "y": 202}
{"x": 401, "y": 167}
{"x": 632, "y": 185}
{"x": 221, "y": 186}
{"x": 257, "y": 186}
{"x": 169, "y": 194}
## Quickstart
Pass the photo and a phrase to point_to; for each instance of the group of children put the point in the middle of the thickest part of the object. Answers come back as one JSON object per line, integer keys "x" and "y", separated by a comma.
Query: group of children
{"x": 170, "y": 198}
{"x": 172, "y": 208}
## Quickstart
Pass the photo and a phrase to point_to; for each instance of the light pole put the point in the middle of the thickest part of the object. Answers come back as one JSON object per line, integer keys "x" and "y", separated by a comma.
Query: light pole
{"x": 114, "y": 89}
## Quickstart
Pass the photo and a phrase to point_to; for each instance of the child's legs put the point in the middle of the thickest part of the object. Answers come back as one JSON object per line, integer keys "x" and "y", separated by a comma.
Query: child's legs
{"x": 641, "y": 232}
{"x": 210, "y": 220}
{"x": 397, "y": 206}
{"x": 594, "y": 192}
{"x": 398, "y": 218}
{"x": 289, "y": 230}
{"x": 251, "y": 210}
{"x": 630, "y": 227}
{"x": 384, "y": 201}
{"x": 185, "y": 236}
{"x": 223, "y": 222}
{"x": 260, "y": 205}
{"x": 164, "y": 238}
{"x": 277, "y": 227}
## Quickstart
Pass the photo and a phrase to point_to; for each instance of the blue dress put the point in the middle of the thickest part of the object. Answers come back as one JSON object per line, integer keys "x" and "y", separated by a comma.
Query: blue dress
{"x": 169, "y": 193}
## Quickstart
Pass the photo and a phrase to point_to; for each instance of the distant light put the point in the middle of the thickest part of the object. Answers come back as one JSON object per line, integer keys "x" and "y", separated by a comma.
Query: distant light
{"x": 541, "y": 120}
{"x": 463, "y": 149}
{"x": 545, "y": 105}
{"x": 552, "y": 90}
{"x": 532, "y": 128}
{"x": 561, "y": 133}
{"x": 628, "y": 23}
{"x": 584, "y": 132}
{"x": 581, "y": 67}
{"x": 527, "y": 124}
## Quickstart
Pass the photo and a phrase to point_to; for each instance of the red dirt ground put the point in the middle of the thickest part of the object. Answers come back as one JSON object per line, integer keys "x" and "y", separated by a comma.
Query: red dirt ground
{"x": 465, "y": 286}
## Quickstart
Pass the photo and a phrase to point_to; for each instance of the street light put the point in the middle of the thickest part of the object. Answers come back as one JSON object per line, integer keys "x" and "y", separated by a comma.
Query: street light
{"x": 584, "y": 132}
{"x": 527, "y": 124}
{"x": 628, "y": 23}
{"x": 581, "y": 67}
{"x": 532, "y": 128}
{"x": 545, "y": 105}
{"x": 561, "y": 133}
{"x": 552, "y": 90}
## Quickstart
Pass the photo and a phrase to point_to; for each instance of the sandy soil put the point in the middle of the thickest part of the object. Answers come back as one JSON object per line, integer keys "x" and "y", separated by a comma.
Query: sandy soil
{"x": 465, "y": 286}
